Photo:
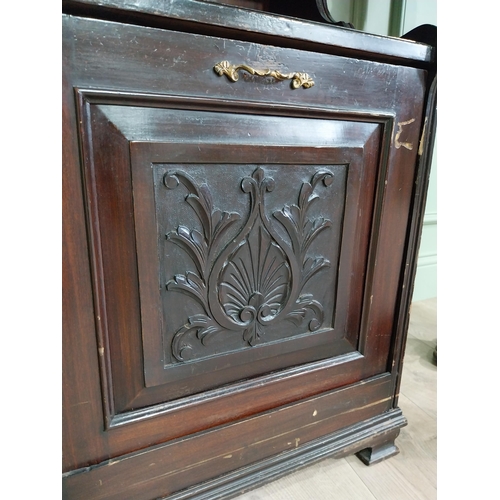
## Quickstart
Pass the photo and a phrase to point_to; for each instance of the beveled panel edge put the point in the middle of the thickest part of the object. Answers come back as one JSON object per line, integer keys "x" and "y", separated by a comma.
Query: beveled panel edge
{"x": 234, "y": 388}
{"x": 251, "y": 25}
{"x": 95, "y": 257}
{"x": 380, "y": 198}
{"x": 172, "y": 101}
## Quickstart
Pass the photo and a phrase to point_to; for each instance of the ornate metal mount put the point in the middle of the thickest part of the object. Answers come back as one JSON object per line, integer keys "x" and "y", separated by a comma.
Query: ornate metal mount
{"x": 256, "y": 279}
{"x": 231, "y": 71}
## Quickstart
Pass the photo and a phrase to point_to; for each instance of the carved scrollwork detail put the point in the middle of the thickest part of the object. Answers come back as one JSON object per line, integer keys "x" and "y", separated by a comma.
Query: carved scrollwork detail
{"x": 255, "y": 280}
{"x": 254, "y": 284}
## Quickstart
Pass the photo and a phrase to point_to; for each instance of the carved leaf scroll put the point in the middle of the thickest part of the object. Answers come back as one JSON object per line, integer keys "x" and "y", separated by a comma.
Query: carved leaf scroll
{"x": 255, "y": 280}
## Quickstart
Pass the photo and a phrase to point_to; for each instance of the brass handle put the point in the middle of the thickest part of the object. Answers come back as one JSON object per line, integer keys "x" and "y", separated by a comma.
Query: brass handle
{"x": 231, "y": 71}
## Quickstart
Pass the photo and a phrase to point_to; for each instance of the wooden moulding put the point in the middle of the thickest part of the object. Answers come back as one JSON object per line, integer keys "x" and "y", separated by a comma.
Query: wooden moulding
{"x": 335, "y": 445}
{"x": 375, "y": 433}
{"x": 358, "y": 413}
{"x": 226, "y": 21}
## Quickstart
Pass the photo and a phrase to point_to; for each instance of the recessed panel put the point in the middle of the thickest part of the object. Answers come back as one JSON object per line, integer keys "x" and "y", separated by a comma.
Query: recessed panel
{"x": 242, "y": 251}
{"x": 217, "y": 263}
{"x": 247, "y": 260}
{"x": 240, "y": 259}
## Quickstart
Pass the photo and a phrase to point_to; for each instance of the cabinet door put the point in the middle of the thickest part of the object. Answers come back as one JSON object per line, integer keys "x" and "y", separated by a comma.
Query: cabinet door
{"x": 225, "y": 256}
{"x": 230, "y": 250}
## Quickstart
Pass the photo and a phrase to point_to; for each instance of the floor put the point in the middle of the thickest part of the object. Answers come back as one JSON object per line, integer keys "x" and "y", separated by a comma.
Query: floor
{"x": 410, "y": 475}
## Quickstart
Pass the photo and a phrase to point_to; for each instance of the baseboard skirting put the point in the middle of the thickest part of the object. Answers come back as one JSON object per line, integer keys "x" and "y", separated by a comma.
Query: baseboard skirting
{"x": 346, "y": 442}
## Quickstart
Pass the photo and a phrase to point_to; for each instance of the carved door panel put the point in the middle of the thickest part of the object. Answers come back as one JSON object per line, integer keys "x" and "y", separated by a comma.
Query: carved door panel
{"x": 219, "y": 257}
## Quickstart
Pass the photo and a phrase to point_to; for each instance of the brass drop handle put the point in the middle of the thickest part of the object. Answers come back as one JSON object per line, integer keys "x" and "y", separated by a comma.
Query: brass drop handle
{"x": 231, "y": 71}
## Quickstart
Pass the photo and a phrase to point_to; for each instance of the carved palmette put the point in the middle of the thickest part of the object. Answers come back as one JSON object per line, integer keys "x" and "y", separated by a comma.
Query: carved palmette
{"x": 256, "y": 279}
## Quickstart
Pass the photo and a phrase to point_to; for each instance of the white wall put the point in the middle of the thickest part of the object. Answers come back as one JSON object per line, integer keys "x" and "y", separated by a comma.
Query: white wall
{"x": 377, "y": 17}
{"x": 341, "y": 10}
{"x": 426, "y": 279}
{"x": 417, "y": 12}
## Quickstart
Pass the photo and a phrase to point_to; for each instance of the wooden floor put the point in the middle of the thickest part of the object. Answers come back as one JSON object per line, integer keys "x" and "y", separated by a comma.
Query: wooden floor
{"x": 409, "y": 475}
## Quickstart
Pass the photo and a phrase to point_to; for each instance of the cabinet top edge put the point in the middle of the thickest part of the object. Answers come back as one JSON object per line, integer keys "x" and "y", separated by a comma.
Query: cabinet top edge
{"x": 228, "y": 21}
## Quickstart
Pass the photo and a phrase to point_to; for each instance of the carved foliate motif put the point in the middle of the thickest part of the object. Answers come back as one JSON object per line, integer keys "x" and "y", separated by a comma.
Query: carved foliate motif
{"x": 255, "y": 280}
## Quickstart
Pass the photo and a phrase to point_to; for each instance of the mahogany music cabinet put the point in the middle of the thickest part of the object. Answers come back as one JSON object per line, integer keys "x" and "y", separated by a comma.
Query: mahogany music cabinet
{"x": 243, "y": 196}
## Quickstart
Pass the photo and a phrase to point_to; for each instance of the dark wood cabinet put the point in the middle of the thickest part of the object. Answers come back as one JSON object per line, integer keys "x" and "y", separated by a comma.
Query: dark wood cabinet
{"x": 243, "y": 197}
